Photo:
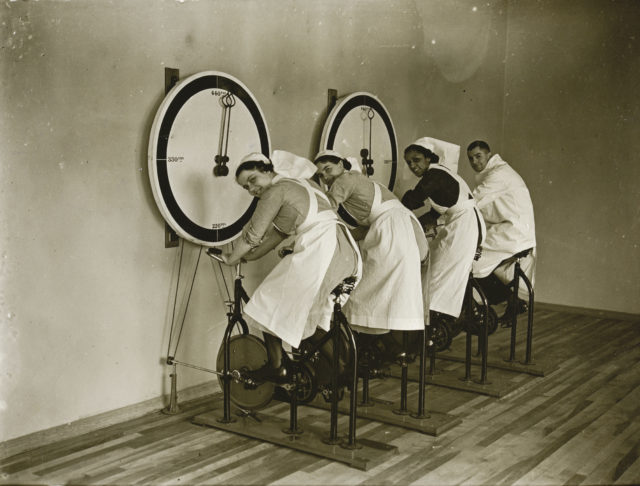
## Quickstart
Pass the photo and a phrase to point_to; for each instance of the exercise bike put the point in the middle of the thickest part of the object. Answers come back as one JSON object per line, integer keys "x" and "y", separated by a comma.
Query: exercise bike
{"x": 307, "y": 365}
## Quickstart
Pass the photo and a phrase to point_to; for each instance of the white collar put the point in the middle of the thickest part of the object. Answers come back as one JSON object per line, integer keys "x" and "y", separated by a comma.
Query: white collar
{"x": 493, "y": 162}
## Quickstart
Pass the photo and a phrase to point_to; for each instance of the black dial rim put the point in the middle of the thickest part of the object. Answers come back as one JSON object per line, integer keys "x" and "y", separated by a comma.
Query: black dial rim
{"x": 181, "y": 98}
{"x": 356, "y": 102}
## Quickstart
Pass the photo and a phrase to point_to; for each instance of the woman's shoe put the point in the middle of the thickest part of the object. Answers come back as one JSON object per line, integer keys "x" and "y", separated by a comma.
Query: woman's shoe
{"x": 279, "y": 376}
{"x": 506, "y": 319}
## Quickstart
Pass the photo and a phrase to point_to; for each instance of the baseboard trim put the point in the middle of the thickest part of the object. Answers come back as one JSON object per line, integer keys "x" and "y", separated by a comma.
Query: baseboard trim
{"x": 605, "y": 314}
{"x": 105, "y": 419}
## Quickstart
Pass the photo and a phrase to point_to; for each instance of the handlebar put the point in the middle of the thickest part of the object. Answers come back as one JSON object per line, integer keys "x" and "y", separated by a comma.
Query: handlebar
{"x": 215, "y": 254}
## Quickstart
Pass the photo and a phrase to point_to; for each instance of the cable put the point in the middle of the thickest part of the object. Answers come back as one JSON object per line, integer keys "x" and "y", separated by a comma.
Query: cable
{"x": 224, "y": 280}
{"x": 195, "y": 271}
{"x": 370, "y": 114}
{"x": 175, "y": 299}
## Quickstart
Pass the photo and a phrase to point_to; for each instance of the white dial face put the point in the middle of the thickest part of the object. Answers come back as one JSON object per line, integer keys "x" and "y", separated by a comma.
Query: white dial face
{"x": 359, "y": 126}
{"x": 204, "y": 126}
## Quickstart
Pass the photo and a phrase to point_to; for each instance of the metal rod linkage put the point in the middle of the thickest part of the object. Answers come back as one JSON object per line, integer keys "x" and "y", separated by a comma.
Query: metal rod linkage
{"x": 514, "y": 312}
{"x": 432, "y": 350}
{"x": 404, "y": 381}
{"x": 483, "y": 335}
{"x": 467, "y": 358}
{"x": 528, "y": 358}
{"x": 353, "y": 405}
{"x": 226, "y": 377}
{"x": 172, "y": 361}
{"x": 422, "y": 380}
{"x": 293, "y": 405}
{"x": 468, "y": 297}
{"x": 333, "y": 424}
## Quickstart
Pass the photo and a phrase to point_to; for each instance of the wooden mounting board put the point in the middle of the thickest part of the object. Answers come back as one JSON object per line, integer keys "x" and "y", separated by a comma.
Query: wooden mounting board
{"x": 435, "y": 423}
{"x": 499, "y": 383}
{"x": 269, "y": 425}
{"x": 499, "y": 350}
{"x": 539, "y": 368}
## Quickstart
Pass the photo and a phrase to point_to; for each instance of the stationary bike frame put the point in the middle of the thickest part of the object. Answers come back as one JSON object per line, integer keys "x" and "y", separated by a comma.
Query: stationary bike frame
{"x": 234, "y": 316}
{"x": 338, "y": 320}
{"x": 518, "y": 274}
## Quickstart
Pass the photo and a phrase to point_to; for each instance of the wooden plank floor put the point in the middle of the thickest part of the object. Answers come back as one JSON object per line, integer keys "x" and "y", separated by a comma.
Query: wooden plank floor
{"x": 578, "y": 425}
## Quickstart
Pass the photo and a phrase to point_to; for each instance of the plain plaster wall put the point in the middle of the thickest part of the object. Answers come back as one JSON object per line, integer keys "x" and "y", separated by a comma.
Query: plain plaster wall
{"x": 87, "y": 285}
{"x": 571, "y": 130}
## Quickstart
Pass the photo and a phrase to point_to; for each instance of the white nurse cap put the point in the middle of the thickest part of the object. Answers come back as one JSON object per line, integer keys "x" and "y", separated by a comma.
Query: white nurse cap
{"x": 449, "y": 153}
{"x": 255, "y": 157}
{"x": 356, "y": 166}
{"x": 291, "y": 165}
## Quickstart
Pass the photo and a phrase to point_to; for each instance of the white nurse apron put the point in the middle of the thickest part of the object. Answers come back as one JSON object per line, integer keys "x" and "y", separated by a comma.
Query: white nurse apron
{"x": 285, "y": 298}
{"x": 453, "y": 250}
{"x": 389, "y": 296}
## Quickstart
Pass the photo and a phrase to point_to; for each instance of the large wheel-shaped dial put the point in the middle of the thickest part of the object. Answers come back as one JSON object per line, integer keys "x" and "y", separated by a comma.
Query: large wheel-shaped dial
{"x": 202, "y": 129}
{"x": 360, "y": 126}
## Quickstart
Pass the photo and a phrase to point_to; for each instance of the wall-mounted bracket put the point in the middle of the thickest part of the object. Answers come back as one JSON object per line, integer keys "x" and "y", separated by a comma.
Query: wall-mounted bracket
{"x": 171, "y": 77}
{"x": 332, "y": 98}
{"x": 171, "y": 239}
